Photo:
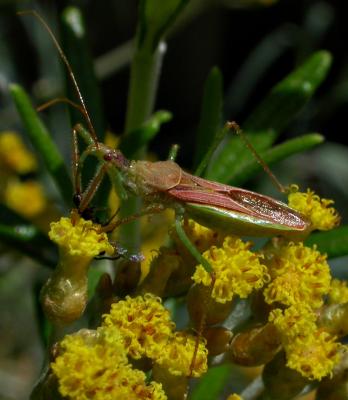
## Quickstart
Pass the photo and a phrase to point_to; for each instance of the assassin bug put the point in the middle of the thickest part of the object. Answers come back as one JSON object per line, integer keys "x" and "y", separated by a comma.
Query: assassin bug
{"x": 163, "y": 184}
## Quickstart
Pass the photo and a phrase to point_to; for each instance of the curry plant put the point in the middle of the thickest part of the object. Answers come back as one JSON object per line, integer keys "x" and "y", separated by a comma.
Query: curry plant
{"x": 275, "y": 305}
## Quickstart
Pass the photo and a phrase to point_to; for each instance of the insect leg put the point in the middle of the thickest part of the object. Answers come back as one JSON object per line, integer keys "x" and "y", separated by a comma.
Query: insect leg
{"x": 152, "y": 209}
{"x": 75, "y": 167}
{"x": 235, "y": 128}
{"x": 92, "y": 188}
{"x": 58, "y": 100}
{"x": 189, "y": 245}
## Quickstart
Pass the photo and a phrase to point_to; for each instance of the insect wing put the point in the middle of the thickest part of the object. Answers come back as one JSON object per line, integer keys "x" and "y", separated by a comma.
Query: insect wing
{"x": 237, "y": 210}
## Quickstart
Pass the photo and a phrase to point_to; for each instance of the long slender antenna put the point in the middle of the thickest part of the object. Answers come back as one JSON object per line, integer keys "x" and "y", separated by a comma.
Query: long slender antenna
{"x": 69, "y": 69}
{"x": 235, "y": 128}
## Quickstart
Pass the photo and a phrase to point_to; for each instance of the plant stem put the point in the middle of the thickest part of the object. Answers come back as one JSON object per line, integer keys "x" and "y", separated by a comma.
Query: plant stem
{"x": 145, "y": 73}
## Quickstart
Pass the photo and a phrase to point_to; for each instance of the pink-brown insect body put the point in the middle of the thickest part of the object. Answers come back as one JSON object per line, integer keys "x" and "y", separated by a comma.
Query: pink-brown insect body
{"x": 159, "y": 176}
{"x": 213, "y": 204}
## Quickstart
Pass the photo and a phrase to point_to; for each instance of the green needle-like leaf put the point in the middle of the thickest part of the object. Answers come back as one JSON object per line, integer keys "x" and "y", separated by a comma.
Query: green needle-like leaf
{"x": 290, "y": 95}
{"x": 77, "y": 51}
{"x": 136, "y": 139}
{"x": 218, "y": 138}
{"x": 42, "y": 142}
{"x": 234, "y": 153}
{"x": 270, "y": 118}
{"x": 75, "y": 44}
{"x": 334, "y": 242}
{"x": 212, "y": 383}
{"x": 211, "y": 114}
{"x": 276, "y": 153}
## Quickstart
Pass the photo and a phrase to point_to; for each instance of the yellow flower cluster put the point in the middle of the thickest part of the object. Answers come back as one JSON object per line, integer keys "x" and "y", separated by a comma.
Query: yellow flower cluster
{"x": 144, "y": 324}
{"x": 236, "y": 270}
{"x": 147, "y": 331}
{"x": 299, "y": 274}
{"x": 14, "y": 155}
{"x": 178, "y": 354}
{"x": 338, "y": 293}
{"x": 94, "y": 365}
{"x": 26, "y": 198}
{"x": 80, "y": 238}
{"x": 310, "y": 350}
{"x": 317, "y": 210}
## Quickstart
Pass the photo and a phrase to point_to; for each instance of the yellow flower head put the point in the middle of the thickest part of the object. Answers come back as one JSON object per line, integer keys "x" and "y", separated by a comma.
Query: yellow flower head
{"x": 94, "y": 365}
{"x": 237, "y": 270}
{"x": 14, "y": 155}
{"x": 299, "y": 274}
{"x": 293, "y": 322}
{"x": 338, "y": 292}
{"x": 317, "y": 210}
{"x": 26, "y": 198}
{"x": 314, "y": 356}
{"x": 309, "y": 350}
{"x": 180, "y": 357}
{"x": 144, "y": 324}
{"x": 82, "y": 239}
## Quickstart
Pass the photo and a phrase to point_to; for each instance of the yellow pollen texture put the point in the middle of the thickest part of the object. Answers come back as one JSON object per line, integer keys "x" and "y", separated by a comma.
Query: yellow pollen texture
{"x": 317, "y": 210}
{"x": 237, "y": 270}
{"x": 144, "y": 324}
{"x": 179, "y": 352}
{"x": 94, "y": 365}
{"x": 299, "y": 274}
{"x": 338, "y": 292}
{"x": 309, "y": 350}
{"x": 82, "y": 239}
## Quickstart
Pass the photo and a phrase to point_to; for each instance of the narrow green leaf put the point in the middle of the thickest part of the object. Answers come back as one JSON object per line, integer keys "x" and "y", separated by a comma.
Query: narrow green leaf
{"x": 212, "y": 383}
{"x": 211, "y": 114}
{"x": 76, "y": 47}
{"x": 334, "y": 242}
{"x": 155, "y": 19}
{"x": 290, "y": 95}
{"x": 136, "y": 139}
{"x": 281, "y": 105}
{"x": 42, "y": 142}
{"x": 277, "y": 153}
{"x": 219, "y": 137}
{"x": 233, "y": 153}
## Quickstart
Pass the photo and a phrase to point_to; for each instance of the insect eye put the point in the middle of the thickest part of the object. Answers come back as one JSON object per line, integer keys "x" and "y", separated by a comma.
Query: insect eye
{"x": 108, "y": 156}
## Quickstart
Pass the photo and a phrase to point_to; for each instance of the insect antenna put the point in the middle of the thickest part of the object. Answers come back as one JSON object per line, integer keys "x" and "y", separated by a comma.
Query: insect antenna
{"x": 83, "y": 107}
{"x": 235, "y": 127}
